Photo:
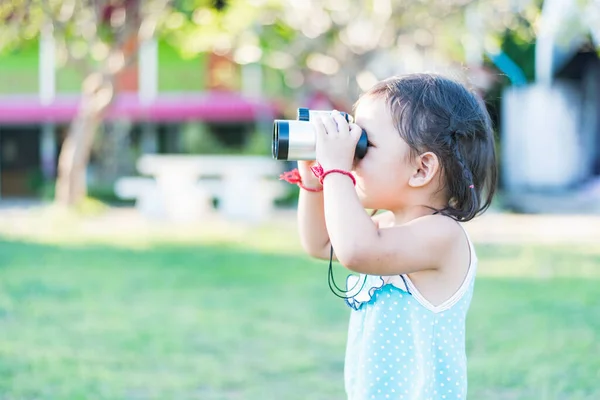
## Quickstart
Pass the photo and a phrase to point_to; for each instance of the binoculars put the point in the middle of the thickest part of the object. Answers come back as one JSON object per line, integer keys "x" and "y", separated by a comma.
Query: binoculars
{"x": 295, "y": 140}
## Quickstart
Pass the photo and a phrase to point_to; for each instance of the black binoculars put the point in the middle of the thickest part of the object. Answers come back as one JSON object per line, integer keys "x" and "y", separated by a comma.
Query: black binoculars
{"x": 296, "y": 139}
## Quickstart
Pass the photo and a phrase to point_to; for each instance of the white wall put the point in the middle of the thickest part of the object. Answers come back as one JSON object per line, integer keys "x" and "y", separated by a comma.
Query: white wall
{"x": 542, "y": 149}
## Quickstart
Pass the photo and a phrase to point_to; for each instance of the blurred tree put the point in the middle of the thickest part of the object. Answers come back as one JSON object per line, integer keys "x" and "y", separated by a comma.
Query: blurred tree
{"x": 324, "y": 44}
{"x": 101, "y": 38}
{"x": 337, "y": 46}
{"x": 342, "y": 47}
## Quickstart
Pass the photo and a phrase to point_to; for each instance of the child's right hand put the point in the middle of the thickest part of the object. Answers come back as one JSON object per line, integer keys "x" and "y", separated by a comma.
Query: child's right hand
{"x": 308, "y": 177}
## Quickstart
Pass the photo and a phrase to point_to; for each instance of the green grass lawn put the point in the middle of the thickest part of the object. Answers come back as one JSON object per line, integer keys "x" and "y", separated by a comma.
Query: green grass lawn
{"x": 222, "y": 320}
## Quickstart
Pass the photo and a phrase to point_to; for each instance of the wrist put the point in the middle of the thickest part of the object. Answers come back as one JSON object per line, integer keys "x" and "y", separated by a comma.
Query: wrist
{"x": 311, "y": 181}
{"x": 311, "y": 188}
{"x": 295, "y": 177}
{"x": 322, "y": 173}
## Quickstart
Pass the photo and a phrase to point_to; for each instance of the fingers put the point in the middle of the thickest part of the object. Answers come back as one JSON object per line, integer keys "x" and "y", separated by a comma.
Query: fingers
{"x": 355, "y": 131}
{"x": 330, "y": 125}
{"x": 340, "y": 121}
{"x": 334, "y": 123}
{"x": 335, "y": 141}
{"x": 319, "y": 126}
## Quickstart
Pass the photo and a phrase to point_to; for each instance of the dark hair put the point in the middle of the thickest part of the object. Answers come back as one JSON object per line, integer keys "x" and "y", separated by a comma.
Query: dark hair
{"x": 437, "y": 114}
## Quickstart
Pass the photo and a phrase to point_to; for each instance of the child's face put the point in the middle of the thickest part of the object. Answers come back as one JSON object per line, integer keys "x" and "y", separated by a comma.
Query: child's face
{"x": 382, "y": 175}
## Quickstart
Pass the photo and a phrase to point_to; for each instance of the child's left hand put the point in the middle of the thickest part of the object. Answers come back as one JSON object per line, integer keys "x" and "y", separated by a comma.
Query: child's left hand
{"x": 335, "y": 141}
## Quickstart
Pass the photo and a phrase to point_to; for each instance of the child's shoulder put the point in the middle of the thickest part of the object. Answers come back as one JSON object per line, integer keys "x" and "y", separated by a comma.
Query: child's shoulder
{"x": 438, "y": 230}
{"x": 443, "y": 223}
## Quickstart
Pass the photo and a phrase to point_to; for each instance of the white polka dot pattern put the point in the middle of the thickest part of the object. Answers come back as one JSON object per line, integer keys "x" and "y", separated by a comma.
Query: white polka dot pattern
{"x": 402, "y": 347}
{"x": 399, "y": 349}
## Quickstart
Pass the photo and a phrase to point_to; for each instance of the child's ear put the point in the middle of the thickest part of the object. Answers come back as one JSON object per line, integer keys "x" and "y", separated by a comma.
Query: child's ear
{"x": 426, "y": 167}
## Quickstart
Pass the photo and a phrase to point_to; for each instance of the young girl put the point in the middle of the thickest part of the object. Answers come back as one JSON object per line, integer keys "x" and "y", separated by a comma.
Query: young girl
{"x": 430, "y": 163}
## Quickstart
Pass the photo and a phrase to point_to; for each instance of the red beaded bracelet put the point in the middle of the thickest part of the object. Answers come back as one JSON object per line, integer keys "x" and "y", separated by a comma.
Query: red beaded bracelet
{"x": 294, "y": 177}
{"x": 321, "y": 174}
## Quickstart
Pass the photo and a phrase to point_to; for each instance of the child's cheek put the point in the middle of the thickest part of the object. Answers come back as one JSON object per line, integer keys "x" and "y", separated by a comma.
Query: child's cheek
{"x": 360, "y": 173}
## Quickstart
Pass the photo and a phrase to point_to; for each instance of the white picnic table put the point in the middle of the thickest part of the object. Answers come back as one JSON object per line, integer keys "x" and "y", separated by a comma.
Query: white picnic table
{"x": 182, "y": 187}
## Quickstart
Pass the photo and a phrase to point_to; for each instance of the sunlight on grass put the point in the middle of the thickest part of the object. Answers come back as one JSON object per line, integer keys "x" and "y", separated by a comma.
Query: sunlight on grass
{"x": 238, "y": 312}
{"x": 51, "y": 225}
{"x": 538, "y": 261}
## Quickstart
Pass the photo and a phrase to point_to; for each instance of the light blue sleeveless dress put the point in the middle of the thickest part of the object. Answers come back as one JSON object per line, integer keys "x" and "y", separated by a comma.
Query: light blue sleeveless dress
{"x": 402, "y": 347}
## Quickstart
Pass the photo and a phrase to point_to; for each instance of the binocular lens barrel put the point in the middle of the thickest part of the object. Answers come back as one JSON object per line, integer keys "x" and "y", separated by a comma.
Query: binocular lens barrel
{"x": 293, "y": 140}
{"x": 296, "y": 140}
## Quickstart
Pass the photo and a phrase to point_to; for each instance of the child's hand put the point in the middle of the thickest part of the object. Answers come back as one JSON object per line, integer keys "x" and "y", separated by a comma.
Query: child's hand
{"x": 308, "y": 177}
{"x": 336, "y": 141}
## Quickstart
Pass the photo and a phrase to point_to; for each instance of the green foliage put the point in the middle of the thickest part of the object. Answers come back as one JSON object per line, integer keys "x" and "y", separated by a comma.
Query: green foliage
{"x": 19, "y": 68}
{"x": 519, "y": 40}
{"x": 179, "y": 72}
{"x": 290, "y": 198}
{"x": 98, "y": 197}
{"x": 258, "y": 143}
{"x": 20, "y": 24}
{"x": 90, "y": 206}
{"x": 521, "y": 52}
{"x": 197, "y": 138}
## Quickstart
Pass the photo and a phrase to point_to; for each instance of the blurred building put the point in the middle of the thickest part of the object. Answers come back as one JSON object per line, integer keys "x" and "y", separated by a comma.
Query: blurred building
{"x": 164, "y": 104}
{"x": 551, "y": 127}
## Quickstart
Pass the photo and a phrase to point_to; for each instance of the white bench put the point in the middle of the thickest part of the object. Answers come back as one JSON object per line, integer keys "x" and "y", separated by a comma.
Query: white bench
{"x": 145, "y": 193}
{"x": 183, "y": 187}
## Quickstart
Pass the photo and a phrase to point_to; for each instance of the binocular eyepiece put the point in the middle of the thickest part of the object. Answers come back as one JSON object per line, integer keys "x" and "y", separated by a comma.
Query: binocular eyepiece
{"x": 296, "y": 139}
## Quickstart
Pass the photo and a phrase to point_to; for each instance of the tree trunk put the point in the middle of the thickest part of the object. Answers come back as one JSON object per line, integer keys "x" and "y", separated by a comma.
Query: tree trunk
{"x": 71, "y": 185}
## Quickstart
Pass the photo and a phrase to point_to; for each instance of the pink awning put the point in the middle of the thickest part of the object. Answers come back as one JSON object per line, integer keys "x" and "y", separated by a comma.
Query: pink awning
{"x": 209, "y": 106}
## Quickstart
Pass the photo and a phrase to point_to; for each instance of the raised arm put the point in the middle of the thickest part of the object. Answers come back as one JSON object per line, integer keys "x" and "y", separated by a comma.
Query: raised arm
{"x": 311, "y": 215}
{"x": 363, "y": 247}
{"x": 314, "y": 236}
{"x": 360, "y": 245}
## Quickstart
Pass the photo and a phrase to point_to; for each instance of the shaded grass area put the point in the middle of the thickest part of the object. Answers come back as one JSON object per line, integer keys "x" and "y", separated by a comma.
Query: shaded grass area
{"x": 225, "y": 322}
